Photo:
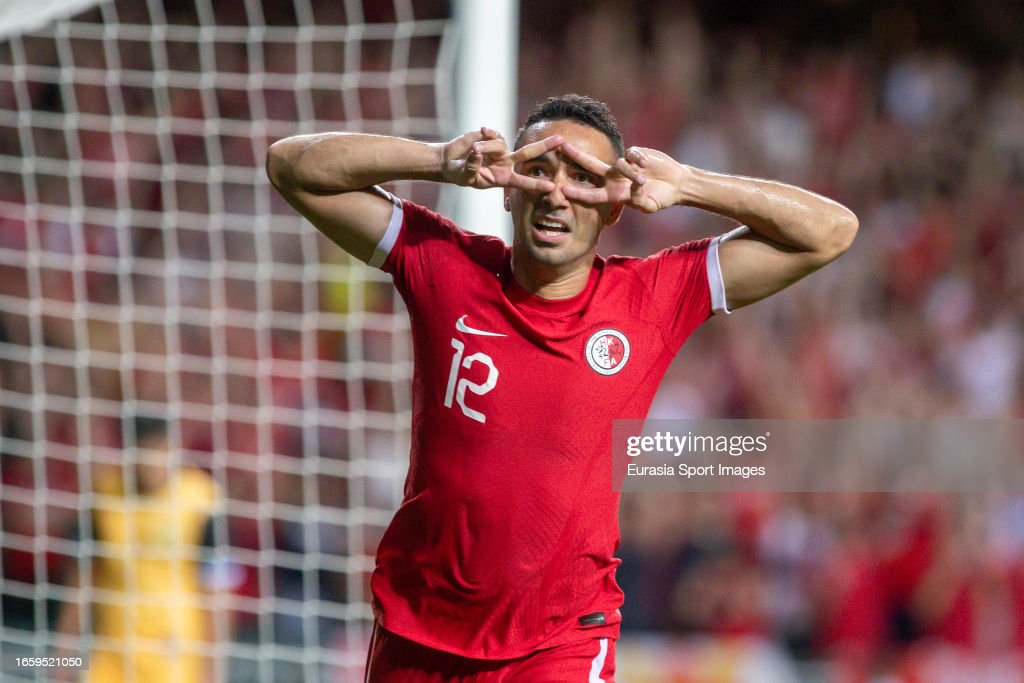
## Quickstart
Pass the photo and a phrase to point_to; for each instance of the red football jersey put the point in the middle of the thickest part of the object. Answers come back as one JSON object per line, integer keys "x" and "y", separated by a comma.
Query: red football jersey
{"x": 506, "y": 534}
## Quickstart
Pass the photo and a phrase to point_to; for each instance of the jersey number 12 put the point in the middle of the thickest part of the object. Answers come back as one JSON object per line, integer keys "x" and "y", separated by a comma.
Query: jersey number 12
{"x": 457, "y": 387}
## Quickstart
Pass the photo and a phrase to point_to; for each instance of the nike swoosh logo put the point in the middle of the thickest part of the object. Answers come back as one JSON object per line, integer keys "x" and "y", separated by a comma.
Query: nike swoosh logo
{"x": 463, "y": 327}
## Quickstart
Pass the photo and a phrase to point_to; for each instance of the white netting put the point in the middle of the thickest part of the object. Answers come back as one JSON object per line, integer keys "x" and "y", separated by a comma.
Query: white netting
{"x": 146, "y": 266}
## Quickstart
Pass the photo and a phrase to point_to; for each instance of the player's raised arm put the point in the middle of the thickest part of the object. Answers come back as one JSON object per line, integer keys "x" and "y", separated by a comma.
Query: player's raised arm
{"x": 793, "y": 232}
{"x": 329, "y": 177}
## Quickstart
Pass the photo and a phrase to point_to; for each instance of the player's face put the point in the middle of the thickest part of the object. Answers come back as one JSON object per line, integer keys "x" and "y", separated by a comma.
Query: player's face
{"x": 550, "y": 229}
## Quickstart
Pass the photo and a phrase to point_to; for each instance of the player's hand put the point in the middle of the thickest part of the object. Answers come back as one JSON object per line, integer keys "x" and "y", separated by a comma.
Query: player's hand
{"x": 481, "y": 159}
{"x": 645, "y": 179}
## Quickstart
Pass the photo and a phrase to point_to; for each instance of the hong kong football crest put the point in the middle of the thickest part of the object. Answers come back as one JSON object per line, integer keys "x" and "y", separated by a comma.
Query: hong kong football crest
{"x": 607, "y": 351}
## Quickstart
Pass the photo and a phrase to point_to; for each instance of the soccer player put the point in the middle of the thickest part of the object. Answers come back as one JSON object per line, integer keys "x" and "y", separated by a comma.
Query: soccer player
{"x": 150, "y": 584}
{"x": 499, "y": 563}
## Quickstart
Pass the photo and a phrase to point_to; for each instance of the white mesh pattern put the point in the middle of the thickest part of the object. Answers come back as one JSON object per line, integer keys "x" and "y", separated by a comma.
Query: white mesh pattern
{"x": 147, "y": 267}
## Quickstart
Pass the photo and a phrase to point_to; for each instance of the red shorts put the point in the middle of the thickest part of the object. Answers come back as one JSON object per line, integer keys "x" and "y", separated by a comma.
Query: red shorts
{"x": 394, "y": 659}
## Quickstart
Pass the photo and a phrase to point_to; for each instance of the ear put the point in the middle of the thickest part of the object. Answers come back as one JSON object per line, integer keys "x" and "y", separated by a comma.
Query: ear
{"x": 614, "y": 213}
{"x": 508, "y": 200}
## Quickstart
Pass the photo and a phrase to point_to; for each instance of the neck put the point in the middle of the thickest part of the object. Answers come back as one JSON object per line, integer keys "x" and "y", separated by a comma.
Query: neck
{"x": 551, "y": 281}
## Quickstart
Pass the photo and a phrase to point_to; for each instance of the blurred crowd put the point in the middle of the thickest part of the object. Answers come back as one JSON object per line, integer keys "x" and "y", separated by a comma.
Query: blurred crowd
{"x": 157, "y": 268}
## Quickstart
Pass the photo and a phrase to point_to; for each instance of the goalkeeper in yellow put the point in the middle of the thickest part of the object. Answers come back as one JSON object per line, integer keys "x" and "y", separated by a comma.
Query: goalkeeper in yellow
{"x": 150, "y": 611}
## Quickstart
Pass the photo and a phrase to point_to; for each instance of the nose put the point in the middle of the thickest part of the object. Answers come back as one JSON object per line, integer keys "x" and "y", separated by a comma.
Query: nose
{"x": 555, "y": 199}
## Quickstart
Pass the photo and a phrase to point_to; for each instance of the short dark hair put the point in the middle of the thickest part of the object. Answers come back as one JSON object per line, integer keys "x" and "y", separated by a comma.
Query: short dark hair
{"x": 578, "y": 108}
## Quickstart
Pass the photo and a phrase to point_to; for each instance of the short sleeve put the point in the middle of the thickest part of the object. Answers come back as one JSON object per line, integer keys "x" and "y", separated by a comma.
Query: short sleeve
{"x": 677, "y": 280}
{"x": 719, "y": 302}
{"x": 387, "y": 242}
{"x": 686, "y": 285}
{"x": 420, "y": 246}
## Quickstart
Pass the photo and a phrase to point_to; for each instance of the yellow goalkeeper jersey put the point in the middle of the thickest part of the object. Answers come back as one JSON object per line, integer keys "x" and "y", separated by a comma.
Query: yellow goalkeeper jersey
{"x": 150, "y": 621}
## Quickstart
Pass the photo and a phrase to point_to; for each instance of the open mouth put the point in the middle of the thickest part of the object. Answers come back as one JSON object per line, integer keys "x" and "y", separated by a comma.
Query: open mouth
{"x": 548, "y": 230}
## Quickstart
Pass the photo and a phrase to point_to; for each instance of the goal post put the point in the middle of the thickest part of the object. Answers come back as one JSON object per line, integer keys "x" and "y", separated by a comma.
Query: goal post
{"x": 485, "y": 94}
{"x": 147, "y": 268}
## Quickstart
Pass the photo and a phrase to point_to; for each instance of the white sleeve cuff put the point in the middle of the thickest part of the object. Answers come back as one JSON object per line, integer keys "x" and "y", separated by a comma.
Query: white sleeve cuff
{"x": 719, "y": 303}
{"x": 383, "y": 248}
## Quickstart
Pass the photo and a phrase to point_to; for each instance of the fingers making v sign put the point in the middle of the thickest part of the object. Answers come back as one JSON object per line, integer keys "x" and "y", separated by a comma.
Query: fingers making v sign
{"x": 482, "y": 159}
{"x": 645, "y": 179}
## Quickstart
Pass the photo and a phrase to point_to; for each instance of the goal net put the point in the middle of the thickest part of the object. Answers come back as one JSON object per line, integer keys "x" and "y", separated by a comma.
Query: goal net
{"x": 147, "y": 268}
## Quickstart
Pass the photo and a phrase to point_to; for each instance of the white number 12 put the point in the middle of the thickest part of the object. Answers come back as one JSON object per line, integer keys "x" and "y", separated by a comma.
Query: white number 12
{"x": 459, "y": 391}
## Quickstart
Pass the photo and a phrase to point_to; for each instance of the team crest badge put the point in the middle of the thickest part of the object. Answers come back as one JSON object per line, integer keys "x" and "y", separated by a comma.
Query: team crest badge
{"x": 607, "y": 351}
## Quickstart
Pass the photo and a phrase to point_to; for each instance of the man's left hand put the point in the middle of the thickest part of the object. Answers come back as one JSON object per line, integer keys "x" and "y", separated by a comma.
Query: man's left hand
{"x": 645, "y": 179}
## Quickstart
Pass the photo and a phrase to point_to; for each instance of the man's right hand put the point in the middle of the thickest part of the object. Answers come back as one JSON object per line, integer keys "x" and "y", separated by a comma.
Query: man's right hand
{"x": 481, "y": 159}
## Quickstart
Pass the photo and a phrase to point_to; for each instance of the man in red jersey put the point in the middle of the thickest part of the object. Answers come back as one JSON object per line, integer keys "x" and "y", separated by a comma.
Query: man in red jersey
{"x": 499, "y": 565}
